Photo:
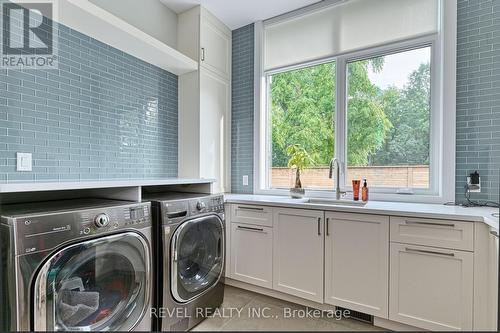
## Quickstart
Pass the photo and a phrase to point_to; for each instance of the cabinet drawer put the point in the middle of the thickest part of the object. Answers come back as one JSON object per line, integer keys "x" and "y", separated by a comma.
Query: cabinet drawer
{"x": 431, "y": 232}
{"x": 250, "y": 214}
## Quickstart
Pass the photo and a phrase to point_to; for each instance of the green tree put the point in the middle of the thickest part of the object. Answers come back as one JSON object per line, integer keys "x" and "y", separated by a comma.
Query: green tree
{"x": 385, "y": 127}
{"x": 367, "y": 123}
{"x": 408, "y": 110}
{"x": 303, "y": 103}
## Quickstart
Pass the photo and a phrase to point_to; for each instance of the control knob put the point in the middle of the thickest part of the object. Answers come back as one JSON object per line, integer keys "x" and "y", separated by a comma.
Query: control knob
{"x": 201, "y": 205}
{"x": 101, "y": 220}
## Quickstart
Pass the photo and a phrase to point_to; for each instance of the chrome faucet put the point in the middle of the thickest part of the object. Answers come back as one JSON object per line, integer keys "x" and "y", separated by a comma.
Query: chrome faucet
{"x": 335, "y": 163}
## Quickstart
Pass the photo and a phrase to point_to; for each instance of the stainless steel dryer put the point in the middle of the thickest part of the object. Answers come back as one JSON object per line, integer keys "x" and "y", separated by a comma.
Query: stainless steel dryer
{"x": 190, "y": 257}
{"x": 76, "y": 265}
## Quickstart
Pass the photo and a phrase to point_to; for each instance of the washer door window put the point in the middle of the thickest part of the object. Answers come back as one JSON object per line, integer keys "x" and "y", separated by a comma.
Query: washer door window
{"x": 97, "y": 285}
{"x": 197, "y": 257}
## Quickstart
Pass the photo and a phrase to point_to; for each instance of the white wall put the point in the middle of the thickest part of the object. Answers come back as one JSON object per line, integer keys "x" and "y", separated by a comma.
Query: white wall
{"x": 151, "y": 16}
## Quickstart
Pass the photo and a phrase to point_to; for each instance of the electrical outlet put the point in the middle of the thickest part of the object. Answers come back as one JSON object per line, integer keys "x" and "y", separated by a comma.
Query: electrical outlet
{"x": 245, "y": 180}
{"x": 24, "y": 162}
{"x": 474, "y": 182}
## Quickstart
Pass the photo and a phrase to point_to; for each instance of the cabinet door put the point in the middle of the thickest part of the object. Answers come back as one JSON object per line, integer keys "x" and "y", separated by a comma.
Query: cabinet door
{"x": 298, "y": 253}
{"x": 251, "y": 254}
{"x": 227, "y": 241}
{"x": 431, "y": 288}
{"x": 215, "y": 46}
{"x": 493, "y": 281}
{"x": 357, "y": 262}
{"x": 214, "y": 127}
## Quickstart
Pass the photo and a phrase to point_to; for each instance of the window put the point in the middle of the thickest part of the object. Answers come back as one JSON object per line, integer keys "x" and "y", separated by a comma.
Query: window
{"x": 388, "y": 109}
{"x": 388, "y": 120}
{"x": 366, "y": 85}
{"x": 302, "y": 112}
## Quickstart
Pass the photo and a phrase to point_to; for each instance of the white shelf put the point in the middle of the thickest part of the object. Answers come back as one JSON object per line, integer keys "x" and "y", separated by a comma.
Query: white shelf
{"x": 19, "y": 187}
{"x": 91, "y": 20}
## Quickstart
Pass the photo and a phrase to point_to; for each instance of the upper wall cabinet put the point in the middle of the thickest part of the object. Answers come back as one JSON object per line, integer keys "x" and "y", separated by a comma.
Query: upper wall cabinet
{"x": 215, "y": 45}
{"x": 204, "y": 38}
{"x": 205, "y": 99}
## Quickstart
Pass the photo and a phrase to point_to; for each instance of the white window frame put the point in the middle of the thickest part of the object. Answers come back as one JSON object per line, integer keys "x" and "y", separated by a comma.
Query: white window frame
{"x": 443, "y": 113}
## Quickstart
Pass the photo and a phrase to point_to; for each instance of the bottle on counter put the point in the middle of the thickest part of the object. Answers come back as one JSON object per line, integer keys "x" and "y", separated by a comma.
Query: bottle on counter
{"x": 355, "y": 189}
{"x": 364, "y": 191}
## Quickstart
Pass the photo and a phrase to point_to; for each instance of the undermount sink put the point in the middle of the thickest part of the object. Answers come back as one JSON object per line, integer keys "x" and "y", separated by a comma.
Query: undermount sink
{"x": 333, "y": 202}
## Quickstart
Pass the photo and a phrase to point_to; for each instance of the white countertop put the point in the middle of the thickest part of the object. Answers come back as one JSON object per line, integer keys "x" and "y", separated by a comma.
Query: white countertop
{"x": 15, "y": 187}
{"x": 473, "y": 214}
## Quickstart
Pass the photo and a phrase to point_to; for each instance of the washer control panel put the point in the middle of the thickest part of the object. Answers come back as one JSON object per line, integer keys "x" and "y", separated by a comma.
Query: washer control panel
{"x": 209, "y": 204}
{"x": 36, "y": 233}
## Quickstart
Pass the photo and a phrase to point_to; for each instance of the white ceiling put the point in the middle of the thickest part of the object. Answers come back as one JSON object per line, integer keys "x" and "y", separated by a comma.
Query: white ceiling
{"x": 238, "y": 13}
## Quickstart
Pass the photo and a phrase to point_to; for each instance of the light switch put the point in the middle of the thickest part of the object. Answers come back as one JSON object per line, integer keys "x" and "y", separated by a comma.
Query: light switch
{"x": 24, "y": 162}
{"x": 245, "y": 180}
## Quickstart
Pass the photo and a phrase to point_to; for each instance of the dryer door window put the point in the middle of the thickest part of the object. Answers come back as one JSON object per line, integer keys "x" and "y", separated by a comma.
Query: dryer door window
{"x": 97, "y": 285}
{"x": 197, "y": 249}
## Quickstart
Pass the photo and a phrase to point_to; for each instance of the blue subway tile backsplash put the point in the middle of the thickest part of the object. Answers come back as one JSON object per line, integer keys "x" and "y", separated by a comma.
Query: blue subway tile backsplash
{"x": 242, "y": 109}
{"x": 103, "y": 114}
{"x": 478, "y": 96}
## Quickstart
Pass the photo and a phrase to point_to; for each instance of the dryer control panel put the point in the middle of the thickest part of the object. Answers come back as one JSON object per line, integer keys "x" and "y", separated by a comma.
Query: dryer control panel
{"x": 174, "y": 211}
{"x": 42, "y": 232}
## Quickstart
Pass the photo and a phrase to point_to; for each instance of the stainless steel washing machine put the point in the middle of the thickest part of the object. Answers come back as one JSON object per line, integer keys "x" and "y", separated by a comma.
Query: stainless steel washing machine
{"x": 190, "y": 256}
{"x": 81, "y": 265}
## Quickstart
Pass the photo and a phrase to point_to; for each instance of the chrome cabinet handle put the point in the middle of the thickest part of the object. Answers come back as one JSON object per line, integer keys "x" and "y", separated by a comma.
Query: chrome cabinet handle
{"x": 430, "y": 252}
{"x": 451, "y": 225}
{"x": 202, "y": 54}
{"x": 319, "y": 226}
{"x": 327, "y": 226}
{"x": 251, "y": 229}
{"x": 251, "y": 208}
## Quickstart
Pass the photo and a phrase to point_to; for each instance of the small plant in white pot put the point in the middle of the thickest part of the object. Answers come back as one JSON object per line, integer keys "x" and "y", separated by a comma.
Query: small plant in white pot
{"x": 298, "y": 160}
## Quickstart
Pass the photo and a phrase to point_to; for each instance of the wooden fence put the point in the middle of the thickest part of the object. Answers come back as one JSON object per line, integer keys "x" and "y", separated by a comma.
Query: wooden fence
{"x": 415, "y": 176}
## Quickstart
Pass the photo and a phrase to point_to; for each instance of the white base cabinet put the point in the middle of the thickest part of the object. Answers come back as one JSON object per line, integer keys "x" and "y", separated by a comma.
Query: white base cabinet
{"x": 357, "y": 262}
{"x": 251, "y": 259}
{"x": 493, "y": 281}
{"x": 430, "y": 274}
{"x": 298, "y": 253}
{"x": 431, "y": 288}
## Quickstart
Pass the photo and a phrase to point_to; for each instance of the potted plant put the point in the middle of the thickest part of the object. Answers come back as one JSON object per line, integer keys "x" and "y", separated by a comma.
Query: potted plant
{"x": 298, "y": 159}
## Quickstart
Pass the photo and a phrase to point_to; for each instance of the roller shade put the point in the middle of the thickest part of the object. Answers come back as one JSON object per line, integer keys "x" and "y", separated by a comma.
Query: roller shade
{"x": 345, "y": 27}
